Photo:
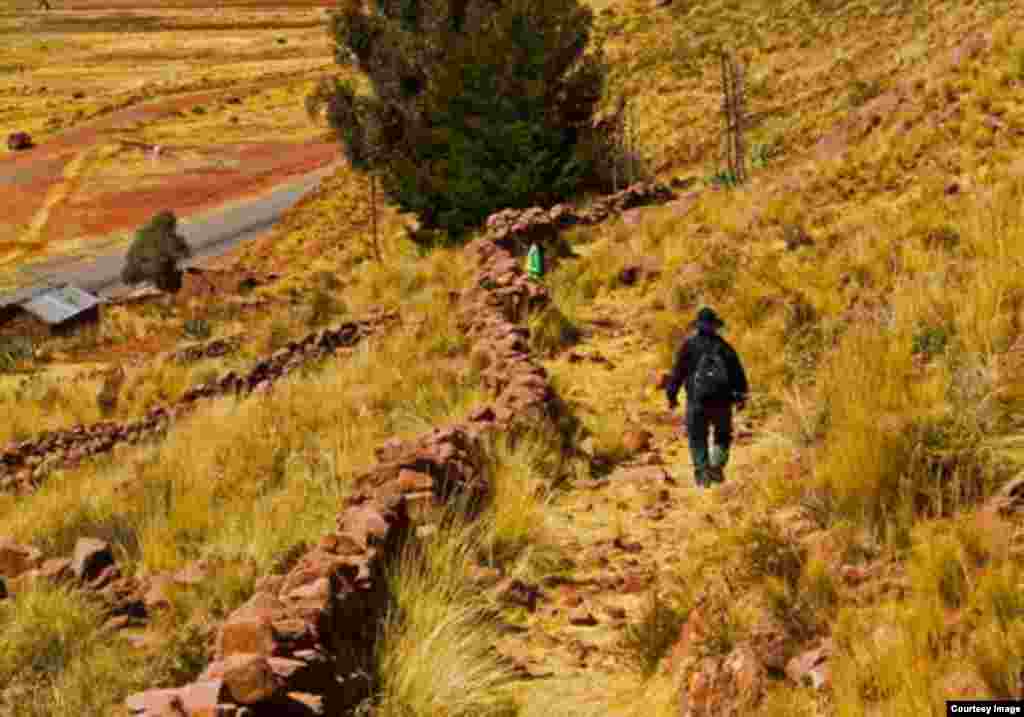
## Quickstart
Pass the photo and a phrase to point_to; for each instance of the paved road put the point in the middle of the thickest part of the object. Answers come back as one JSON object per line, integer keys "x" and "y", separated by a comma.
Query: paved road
{"x": 212, "y": 234}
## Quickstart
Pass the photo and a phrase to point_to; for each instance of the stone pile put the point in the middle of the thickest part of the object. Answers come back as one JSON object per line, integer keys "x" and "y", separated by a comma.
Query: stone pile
{"x": 303, "y": 643}
{"x": 23, "y": 465}
{"x": 210, "y": 349}
{"x": 516, "y": 229}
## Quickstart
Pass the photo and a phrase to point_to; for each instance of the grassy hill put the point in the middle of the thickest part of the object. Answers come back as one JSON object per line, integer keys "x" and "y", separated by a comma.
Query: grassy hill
{"x": 870, "y": 275}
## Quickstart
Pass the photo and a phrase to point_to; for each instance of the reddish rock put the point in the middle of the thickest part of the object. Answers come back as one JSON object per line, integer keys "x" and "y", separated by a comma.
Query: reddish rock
{"x": 199, "y": 699}
{"x": 310, "y": 704}
{"x": 727, "y": 687}
{"x": 108, "y": 575}
{"x": 410, "y": 481}
{"x": 245, "y": 636}
{"x": 158, "y": 596}
{"x": 16, "y": 559}
{"x": 512, "y": 591}
{"x": 263, "y": 605}
{"x": 484, "y": 576}
{"x": 636, "y": 441}
{"x": 319, "y": 589}
{"x": 249, "y": 679}
{"x": 91, "y": 557}
{"x": 365, "y": 524}
{"x": 642, "y": 474}
{"x": 810, "y": 668}
{"x": 195, "y": 573}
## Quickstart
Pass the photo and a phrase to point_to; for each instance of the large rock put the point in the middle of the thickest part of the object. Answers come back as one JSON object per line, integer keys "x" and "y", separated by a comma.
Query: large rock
{"x": 246, "y": 636}
{"x": 17, "y": 141}
{"x": 16, "y": 559}
{"x": 91, "y": 558}
{"x": 810, "y": 668}
{"x": 199, "y": 699}
{"x": 249, "y": 679}
{"x": 724, "y": 687}
{"x": 636, "y": 441}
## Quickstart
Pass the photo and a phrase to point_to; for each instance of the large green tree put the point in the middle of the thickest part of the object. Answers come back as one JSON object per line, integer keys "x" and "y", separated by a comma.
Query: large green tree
{"x": 155, "y": 253}
{"x": 474, "y": 105}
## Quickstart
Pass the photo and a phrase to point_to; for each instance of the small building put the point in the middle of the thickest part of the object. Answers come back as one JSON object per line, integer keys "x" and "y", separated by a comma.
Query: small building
{"x": 55, "y": 310}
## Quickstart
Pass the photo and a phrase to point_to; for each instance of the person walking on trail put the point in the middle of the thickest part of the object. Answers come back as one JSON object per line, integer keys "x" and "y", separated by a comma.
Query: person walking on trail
{"x": 708, "y": 367}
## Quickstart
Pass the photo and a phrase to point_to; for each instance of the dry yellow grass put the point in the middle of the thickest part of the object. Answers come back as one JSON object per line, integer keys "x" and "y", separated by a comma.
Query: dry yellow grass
{"x": 877, "y": 355}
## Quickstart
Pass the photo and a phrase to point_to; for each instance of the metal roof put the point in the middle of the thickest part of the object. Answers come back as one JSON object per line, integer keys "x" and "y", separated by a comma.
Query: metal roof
{"x": 57, "y": 305}
{"x": 22, "y": 295}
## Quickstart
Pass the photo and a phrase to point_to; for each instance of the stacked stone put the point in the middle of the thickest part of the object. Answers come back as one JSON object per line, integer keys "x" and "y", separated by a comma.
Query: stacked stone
{"x": 211, "y": 349}
{"x": 302, "y": 641}
{"x": 516, "y": 229}
{"x": 23, "y": 465}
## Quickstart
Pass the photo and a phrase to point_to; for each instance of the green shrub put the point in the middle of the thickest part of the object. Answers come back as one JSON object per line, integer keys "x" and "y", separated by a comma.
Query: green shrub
{"x": 155, "y": 253}
{"x": 499, "y": 119}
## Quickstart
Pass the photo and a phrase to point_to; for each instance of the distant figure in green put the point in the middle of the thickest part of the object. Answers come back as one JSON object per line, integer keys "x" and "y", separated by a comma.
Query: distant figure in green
{"x": 535, "y": 262}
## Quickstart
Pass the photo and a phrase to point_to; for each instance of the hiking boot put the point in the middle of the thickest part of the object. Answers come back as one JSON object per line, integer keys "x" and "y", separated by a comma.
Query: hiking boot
{"x": 715, "y": 475}
{"x": 719, "y": 457}
{"x": 700, "y": 478}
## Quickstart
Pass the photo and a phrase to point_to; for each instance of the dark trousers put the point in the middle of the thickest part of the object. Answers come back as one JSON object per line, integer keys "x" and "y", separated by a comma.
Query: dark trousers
{"x": 700, "y": 419}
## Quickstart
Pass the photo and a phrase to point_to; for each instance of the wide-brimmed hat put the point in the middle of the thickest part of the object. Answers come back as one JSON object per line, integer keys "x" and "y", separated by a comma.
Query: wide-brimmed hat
{"x": 707, "y": 317}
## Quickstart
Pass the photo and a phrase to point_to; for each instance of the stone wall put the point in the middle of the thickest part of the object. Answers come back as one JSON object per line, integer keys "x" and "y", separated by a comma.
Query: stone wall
{"x": 303, "y": 644}
{"x": 23, "y": 465}
{"x": 515, "y": 229}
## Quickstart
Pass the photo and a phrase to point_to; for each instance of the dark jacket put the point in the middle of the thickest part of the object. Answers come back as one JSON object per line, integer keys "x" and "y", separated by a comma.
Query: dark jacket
{"x": 686, "y": 361}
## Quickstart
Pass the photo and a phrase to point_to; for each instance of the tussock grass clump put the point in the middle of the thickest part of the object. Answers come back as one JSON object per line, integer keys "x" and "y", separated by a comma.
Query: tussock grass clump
{"x": 520, "y": 474}
{"x": 650, "y": 639}
{"x": 436, "y": 652}
{"x": 54, "y": 658}
{"x": 552, "y": 331}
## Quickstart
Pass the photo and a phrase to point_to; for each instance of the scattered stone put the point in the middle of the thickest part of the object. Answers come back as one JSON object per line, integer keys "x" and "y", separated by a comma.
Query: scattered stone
{"x": 615, "y": 612}
{"x": 199, "y": 699}
{"x": 512, "y": 591}
{"x": 810, "y": 668}
{"x": 637, "y": 441}
{"x": 16, "y": 559}
{"x": 91, "y": 557}
{"x": 630, "y": 546}
{"x": 484, "y": 576}
{"x": 582, "y": 617}
{"x": 644, "y": 474}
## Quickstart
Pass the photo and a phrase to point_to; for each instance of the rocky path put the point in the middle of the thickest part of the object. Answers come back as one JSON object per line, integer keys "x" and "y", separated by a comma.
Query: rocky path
{"x": 622, "y": 533}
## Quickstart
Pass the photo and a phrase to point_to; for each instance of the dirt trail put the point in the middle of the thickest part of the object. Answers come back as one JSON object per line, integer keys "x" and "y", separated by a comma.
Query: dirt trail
{"x": 621, "y": 532}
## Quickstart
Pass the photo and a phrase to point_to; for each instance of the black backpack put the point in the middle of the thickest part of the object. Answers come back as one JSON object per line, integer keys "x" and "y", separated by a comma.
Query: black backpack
{"x": 711, "y": 375}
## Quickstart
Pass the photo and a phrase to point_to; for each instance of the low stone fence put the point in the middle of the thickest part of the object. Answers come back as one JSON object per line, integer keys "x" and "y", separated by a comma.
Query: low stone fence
{"x": 23, "y": 465}
{"x": 516, "y": 229}
{"x": 303, "y": 644}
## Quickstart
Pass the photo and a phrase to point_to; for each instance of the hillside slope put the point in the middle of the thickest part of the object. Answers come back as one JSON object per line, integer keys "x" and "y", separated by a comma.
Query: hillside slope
{"x": 863, "y": 556}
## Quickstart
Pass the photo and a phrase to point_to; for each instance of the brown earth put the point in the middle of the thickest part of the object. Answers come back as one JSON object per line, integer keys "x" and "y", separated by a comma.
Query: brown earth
{"x": 35, "y": 175}
{"x": 264, "y": 166}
